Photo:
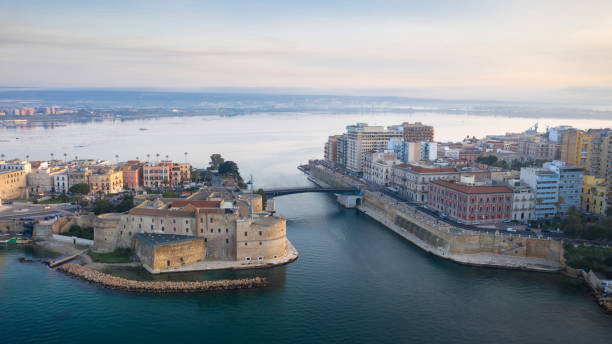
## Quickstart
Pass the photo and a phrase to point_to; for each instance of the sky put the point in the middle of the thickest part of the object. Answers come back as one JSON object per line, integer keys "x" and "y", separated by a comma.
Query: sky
{"x": 467, "y": 48}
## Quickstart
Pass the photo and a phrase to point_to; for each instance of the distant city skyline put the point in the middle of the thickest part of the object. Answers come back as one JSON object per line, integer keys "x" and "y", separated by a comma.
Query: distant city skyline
{"x": 472, "y": 49}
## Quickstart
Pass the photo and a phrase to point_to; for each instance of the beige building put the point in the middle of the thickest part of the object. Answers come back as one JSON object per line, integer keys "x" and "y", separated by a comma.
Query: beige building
{"x": 377, "y": 167}
{"x": 361, "y": 139}
{"x": 413, "y": 180}
{"x": 106, "y": 180}
{"x": 42, "y": 181}
{"x": 79, "y": 176}
{"x": 13, "y": 185}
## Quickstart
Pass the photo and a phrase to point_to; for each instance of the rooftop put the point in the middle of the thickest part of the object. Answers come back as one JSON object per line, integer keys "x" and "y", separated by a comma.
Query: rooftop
{"x": 473, "y": 189}
{"x": 422, "y": 169}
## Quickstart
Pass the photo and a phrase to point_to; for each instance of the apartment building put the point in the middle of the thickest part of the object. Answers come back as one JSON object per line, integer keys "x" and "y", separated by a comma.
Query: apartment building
{"x": 413, "y": 180}
{"x": 476, "y": 204}
{"x": 362, "y": 138}
{"x": 545, "y": 184}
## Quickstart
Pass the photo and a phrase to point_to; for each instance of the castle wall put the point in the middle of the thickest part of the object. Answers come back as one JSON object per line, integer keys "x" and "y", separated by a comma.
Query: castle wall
{"x": 219, "y": 233}
{"x": 265, "y": 238}
{"x": 172, "y": 255}
{"x": 106, "y": 232}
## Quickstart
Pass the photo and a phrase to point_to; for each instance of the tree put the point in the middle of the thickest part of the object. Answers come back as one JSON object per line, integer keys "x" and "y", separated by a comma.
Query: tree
{"x": 264, "y": 198}
{"x": 103, "y": 206}
{"x": 80, "y": 188}
{"x": 126, "y": 204}
{"x": 229, "y": 168}
{"x": 487, "y": 160}
{"x": 215, "y": 162}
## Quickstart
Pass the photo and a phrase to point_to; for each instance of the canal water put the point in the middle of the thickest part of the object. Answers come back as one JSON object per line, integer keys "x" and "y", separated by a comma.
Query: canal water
{"x": 355, "y": 281}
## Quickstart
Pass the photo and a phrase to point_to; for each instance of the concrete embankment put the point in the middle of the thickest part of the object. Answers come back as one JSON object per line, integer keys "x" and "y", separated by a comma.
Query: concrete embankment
{"x": 118, "y": 283}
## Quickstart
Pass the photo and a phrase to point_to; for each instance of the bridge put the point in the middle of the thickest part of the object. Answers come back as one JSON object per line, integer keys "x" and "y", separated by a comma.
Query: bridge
{"x": 290, "y": 191}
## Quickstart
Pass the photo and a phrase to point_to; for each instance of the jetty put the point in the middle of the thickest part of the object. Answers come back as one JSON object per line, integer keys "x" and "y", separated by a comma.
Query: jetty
{"x": 119, "y": 283}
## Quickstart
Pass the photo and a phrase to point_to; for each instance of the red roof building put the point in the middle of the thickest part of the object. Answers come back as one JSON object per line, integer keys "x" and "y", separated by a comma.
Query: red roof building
{"x": 471, "y": 203}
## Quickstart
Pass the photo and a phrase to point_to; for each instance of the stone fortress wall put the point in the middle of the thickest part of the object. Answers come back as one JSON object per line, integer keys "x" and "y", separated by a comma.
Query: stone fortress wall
{"x": 470, "y": 247}
{"x": 262, "y": 238}
{"x": 222, "y": 231}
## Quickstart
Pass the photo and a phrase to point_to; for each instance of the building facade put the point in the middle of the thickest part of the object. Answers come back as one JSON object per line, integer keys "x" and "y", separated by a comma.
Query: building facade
{"x": 13, "y": 185}
{"x": 417, "y": 132}
{"x": 545, "y": 184}
{"x": 570, "y": 185}
{"x": 412, "y": 181}
{"x": 594, "y": 196}
{"x": 523, "y": 201}
{"x": 377, "y": 167}
{"x": 361, "y": 139}
{"x": 476, "y": 204}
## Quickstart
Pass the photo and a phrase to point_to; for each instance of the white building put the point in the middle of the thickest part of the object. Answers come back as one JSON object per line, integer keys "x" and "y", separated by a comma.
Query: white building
{"x": 523, "y": 202}
{"x": 378, "y": 166}
{"x": 570, "y": 184}
{"x": 16, "y": 165}
{"x": 545, "y": 184}
{"x": 361, "y": 139}
{"x": 60, "y": 180}
{"x": 429, "y": 151}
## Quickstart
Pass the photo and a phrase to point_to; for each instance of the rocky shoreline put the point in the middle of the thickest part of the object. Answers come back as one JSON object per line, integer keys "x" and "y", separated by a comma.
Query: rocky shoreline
{"x": 118, "y": 283}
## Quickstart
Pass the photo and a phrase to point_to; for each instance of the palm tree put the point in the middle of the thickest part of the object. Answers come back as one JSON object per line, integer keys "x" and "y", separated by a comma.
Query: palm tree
{"x": 166, "y": 156}
{"x": 27, "y": 157}
{"x": 2, "y": 156}
{"x": 137, "y": 158}
{"x": 117, "y": 158}
{"x": 51, "y": 156}
{"x": 186, "y": 157}
{"x": 157, "y": 156}
{"x": 65, "y": 155}
{"x": 148, "y": 155}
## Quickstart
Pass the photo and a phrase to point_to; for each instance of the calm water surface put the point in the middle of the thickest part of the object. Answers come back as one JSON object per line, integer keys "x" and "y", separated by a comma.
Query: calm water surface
{"x": 354, "y": 281}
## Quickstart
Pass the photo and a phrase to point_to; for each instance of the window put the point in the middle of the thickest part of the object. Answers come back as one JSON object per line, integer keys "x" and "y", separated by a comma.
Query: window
{"x": 139, "y": 225}
{"x": 186, "y": 222}
{"x": 201, "y": 219}
{"x": 211, "y": 220}
{"x": 163, "y": 229}
{"x": 186, "y": 230}
{"x": 151, "y": 227}
{"x": 259, "y": 233}
{"x": 260, "y": 243}
{"x": 246, "y": 244}
{"x": 212, "y": 230}
{"x": 227, "y": 241}
{"x": 226, "y": 230}
{"x": 205, "y": 240}
{"x": 168, "y": 262}
{"x": 245, "y": 233}
{"x": 202, "y": 230}
{"x": 219, "y": 230}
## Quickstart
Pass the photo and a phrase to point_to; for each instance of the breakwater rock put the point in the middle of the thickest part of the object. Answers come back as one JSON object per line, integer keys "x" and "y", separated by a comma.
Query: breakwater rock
{"x": 114, "y": 282}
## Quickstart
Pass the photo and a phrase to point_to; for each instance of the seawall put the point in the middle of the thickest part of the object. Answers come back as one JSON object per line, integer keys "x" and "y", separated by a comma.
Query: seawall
{"x": 118, "y": 283}
{"x": 501, "y": 250}
{"x": 462, "y": 246}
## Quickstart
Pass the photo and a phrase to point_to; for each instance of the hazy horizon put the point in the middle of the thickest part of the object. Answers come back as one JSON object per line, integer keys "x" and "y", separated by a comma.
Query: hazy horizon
{"x": 507, "y": 51}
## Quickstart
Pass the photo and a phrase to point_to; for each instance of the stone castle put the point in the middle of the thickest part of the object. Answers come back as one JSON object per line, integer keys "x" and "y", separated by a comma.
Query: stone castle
{"x": 213, "y": 225}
